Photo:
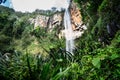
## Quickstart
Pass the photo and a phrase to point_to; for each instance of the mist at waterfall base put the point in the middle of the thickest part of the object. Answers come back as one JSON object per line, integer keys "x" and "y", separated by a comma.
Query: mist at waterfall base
{"x": 68, "y": 30}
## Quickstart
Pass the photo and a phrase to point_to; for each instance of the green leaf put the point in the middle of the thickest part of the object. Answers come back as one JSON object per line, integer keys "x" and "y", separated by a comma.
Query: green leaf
{"x": 61, "y": 74}
{"x": 114, "y": 56}
{"x": 46, "y": 71}
{"x": 59, "y": 60}
{"x": 101, "y": 78}
{"x": 118, "y": 65}
{"x": 96, "y": 62}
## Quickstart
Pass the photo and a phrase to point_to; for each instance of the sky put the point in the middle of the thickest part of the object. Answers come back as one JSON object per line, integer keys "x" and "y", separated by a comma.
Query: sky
{"x": 32, "y": 5}
{"x": 7, "y": 4}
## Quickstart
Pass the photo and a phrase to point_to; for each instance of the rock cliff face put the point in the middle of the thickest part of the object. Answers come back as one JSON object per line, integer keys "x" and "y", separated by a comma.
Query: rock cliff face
{"x": 41, "y": 21}
{"x": 47, "y": 21}
{"x": 76, "y": 18}
{"x": 76, "y": 22}
{"x": 57, "y": 20}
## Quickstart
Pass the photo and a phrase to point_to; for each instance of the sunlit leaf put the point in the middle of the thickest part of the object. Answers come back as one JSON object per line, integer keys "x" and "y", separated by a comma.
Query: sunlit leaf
{"x": 96, "y": 62}
{"x": 114, "y": 56}
{"x": 101, "y": 78}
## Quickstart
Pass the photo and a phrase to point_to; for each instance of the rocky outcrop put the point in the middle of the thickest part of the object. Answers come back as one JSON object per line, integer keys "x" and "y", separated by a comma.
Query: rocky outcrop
{"x": 76, "y": 18}
{"x": 41, "y": 21}
{"x": 47, "y": 21}
{"x": 76, "y": 22}
{"x": 57, "y": 20}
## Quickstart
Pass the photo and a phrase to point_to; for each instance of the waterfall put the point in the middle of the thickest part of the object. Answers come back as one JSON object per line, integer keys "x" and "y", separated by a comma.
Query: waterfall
{"x": 68, "y": 29}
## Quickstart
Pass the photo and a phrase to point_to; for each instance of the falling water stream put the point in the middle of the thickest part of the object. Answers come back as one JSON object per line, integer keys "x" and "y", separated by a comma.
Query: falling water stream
{"x": 68, "y": 29}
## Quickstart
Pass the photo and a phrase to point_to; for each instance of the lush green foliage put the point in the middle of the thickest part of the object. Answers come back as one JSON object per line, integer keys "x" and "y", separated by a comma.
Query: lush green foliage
{"x": 96, "y": 57}
{"x": 99, "y": 55}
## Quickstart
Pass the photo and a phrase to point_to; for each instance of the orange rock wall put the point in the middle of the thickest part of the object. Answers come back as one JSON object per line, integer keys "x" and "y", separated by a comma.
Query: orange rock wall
{"x": 76, "y": 18}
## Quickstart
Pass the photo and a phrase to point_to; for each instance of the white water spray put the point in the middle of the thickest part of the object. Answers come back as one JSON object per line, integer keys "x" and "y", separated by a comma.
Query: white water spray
{"x": 68, "y": 29}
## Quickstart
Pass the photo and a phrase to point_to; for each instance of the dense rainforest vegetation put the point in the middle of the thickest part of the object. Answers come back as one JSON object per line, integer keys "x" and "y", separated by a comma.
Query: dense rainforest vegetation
{"x": 34, "y": 54}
